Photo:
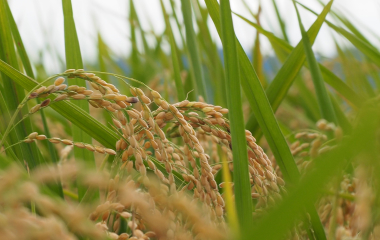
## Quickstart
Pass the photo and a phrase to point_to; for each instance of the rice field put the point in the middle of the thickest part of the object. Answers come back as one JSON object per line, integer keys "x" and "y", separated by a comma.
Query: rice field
{"x": 189, "y": 139}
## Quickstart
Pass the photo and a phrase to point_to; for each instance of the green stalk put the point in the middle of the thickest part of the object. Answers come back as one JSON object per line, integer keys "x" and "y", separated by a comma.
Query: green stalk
{"x": 280, "y": 21}
{"x": 13, "y": 94}
{"x": 229, "y": 196}
{"x": 278, "y": 88}
{"x": 265, "y": 117}
{"x": 325, "y": 106}
{"x": 28, "y": 69}
{"x": 242, "y": 186}
{"x": 176, "y": 69}
{"x": 212, "y": 58}
{"x": 195, "y": 61}
{"x": 370, "y": 51}
{"x": 74, "y": 60}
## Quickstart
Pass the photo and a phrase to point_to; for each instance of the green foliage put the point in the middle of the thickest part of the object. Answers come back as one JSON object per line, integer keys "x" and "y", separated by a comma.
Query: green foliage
{"x": 280, "y": 107}
{"x": 242, "y": 186}
{"x": 74, "y": 61}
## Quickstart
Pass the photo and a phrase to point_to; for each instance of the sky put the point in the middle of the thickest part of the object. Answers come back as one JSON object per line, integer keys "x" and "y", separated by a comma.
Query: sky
{"x": 40, "y": 23}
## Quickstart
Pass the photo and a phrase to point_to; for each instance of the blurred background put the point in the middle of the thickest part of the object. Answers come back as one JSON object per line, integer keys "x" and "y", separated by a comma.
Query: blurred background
{"x": 40, "y": 23}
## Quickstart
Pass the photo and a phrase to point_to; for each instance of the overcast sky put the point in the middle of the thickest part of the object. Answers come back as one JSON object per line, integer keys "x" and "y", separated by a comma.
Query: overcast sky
{"x": 41, "y": 24}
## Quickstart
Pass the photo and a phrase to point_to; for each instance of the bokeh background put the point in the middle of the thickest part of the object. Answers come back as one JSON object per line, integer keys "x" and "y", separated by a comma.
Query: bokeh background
{"x": 40, "y": 23}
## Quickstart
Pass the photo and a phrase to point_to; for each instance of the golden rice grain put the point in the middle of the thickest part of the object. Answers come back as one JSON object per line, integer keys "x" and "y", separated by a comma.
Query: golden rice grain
{"x": 54, "y": 140}
{"x": 41, "y": 137}
{"x": 67, "y": 142}
{"x": 78, "y": 96}
{"x": 35, "y": 109}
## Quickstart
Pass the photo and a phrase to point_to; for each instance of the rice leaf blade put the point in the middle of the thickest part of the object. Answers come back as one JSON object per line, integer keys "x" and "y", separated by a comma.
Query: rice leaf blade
{"x": 74, "y": 61}
{"x": 176, "y": 69}
{"x": 243, "y": 202}
{"x": 57, "y": 187}
{"x": 193, "y": 51}
{"x": 334, "y": 81}
{"x": 29, "y": 71}
{"x": 264, "y": 113}
{"x": 324, "y": 102}
{"x": 14, "y": 94}
{"x": 365, "y": 47}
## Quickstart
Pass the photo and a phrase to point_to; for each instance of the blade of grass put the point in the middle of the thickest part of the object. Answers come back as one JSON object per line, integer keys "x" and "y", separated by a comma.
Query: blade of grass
{"x": 348, "y": 24}
{"x": 102, "y": 53}
{"x": 335, "y": 82}
{"x": 229, "y": 196}
{"x": 353, "y": 71}
{"x": 4, "y": 118}
{"x": 280, "y": 21}
{"x": 242, "y": 186}
{"x": 195, "y": 62}
{"x": 278, "y": 88}
{"x": 177, "y": 74}
{"x": 259, "y": 103}
{"x": 14, "y": 94}
{"x": 265, "y": 116}
{"x": 308, "y": 99}
{"x": 189, "y": 80}
{"x": 367, "y": 49}
{"x": 57, "y": 187}
{"x": 134, "y": 58}
{"x": 213, "y": 60}
{"x": 341, "y": 117}
{"x": 324, "y": 102}
{"x": 30, "y": 152}
{"x": 257, "y": 60}
{"x": 28, "y": 69}
{"x": 174, "y": 14}
{"x": 74, "y": 60}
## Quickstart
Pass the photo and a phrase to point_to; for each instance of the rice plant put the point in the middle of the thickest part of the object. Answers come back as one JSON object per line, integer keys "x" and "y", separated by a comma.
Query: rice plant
{"x": 189, "y": 143}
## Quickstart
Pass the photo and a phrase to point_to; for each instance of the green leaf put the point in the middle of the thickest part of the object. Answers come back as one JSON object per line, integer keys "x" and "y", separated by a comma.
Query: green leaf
{"x": 13, "y": 94}
{"x": 242, "y": 186}
{"x": 280, "y": 21}
{"x": 278, "y": 88}
{"x": 215, "y": 82}
{"x": 74, "y": 60}
{"x": 297, "y": 53}
{"x": 102, "y": 53}
{"x": 324, "y": 102}
{"x": 28, "y": 69}
{"x": 193, "y": 51}
{"x": 367, "y": 49}
{"x": 176, "y": 69}
{"x": 264, "y": 114}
